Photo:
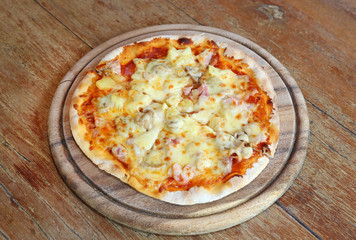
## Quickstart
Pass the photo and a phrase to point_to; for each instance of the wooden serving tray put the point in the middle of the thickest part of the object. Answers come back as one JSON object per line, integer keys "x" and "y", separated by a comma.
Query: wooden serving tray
{"x": 118, "y": 201}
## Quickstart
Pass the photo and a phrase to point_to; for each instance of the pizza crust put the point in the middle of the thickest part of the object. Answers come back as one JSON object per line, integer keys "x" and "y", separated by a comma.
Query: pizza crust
{"x": 201, "y": 195}
{"x": 194, "y": 195}
{"x": 265, "y": 83}
{"x": 112, "y": 55}
{"x": 99, "y": 158}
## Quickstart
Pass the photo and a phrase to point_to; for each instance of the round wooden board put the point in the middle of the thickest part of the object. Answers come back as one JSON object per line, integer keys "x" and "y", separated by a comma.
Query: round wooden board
{"x": 125, "y": 205}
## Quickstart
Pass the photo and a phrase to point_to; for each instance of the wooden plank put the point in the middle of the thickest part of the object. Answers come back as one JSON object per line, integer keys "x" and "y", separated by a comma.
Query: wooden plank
{"x": 98, "y": 21}
{"x": 348, "y": 7}
{"x": 333, "y": 136}
{"x": 325, "y": 208}
{"x": 283, "y": 226}
{"x": 13, "y": 213}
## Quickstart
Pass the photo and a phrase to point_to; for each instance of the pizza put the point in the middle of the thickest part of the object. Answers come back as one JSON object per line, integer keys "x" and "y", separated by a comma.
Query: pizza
{"x": 183, "y": 119}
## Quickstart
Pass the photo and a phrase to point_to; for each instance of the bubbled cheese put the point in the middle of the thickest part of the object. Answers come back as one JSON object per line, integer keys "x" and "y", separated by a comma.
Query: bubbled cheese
{"x": 126, "y": 126}
{"x": 255, "y": 132}
{"x": 246, "y": 152}
{"x": 118, "y": 101}
{"x": 137, "y": 100}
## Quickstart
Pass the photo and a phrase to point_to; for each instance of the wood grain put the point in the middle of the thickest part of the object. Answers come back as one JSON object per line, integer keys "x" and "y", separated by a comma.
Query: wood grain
{"x": 40, "y": 41}
{"x": 119, "y": 17}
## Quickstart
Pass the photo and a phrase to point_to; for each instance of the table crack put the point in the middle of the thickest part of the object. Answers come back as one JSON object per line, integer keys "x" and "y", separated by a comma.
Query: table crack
{"x": 181, "y": 10}
{"x": 8, "y": 145}
{"x": 3, "y": 235}
{"x": 332, "y": 148}
{"x": 36, "y": 1}
{"x": 298, "y": 220}
{"x": 325, "y": 113}
{"x": 23, "y": 209}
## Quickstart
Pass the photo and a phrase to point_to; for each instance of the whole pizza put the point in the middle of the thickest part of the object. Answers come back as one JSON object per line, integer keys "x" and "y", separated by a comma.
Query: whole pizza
{"x": 183, "y": 119}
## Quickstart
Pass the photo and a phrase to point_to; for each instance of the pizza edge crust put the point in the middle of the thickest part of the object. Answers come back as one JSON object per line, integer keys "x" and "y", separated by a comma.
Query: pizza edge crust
{"x": 265, "y": 83}
{"x": 196, "y": 194}
{"x": 100, "y": 158}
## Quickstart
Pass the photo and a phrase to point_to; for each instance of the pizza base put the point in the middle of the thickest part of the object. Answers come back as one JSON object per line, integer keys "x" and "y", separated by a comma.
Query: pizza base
{"x": 194, "y": 195}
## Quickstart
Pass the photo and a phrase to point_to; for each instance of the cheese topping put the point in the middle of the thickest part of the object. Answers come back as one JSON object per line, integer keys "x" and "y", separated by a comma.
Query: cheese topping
{"x": 178, "y": 120}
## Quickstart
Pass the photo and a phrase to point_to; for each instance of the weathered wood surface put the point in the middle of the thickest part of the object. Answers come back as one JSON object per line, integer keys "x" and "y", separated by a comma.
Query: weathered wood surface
{"x": 41, "y": 40}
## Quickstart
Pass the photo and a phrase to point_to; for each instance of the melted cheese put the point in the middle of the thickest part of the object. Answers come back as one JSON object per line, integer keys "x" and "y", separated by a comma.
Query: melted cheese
{"x": 255, "y": 133}
{"x": 185, "y": 105}
{"x": 136, "y": 101}
{"x": 193, "y": 147}
{"x": 229, "y": 79}
{"x": 118, "y": 101}
{"x": 104, "y": 103}
{"x": 127, "y": 126}
{"x": 168, "y": 132}
{"x": 235, "y": 117}
{"x": 159, "y": 80}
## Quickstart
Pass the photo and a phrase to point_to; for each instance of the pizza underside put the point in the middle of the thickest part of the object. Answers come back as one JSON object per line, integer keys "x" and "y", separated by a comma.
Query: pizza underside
{"x": 181, "y": 119}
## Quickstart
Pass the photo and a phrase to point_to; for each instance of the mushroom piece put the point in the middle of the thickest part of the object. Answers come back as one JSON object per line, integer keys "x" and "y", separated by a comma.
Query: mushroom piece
{"x": 227, "y": 163}
{"x": 146, "y": 119}
{"x": 226, "y": 141}
{"x": 242, "y": 136}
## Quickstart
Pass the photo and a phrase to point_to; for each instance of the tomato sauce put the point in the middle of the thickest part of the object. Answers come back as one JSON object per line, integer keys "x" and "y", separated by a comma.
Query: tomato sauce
{"x": 154, "y": 52}
{"x": 172, "y": 185}
{"x": 128, "y": 69}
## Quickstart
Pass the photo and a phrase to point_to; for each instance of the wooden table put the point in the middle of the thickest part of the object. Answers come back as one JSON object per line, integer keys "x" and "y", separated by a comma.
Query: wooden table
{"x": 41, "y": 40}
